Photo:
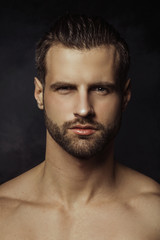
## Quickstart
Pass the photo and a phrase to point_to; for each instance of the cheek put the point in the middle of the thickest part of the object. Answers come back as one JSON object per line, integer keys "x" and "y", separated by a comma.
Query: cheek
{"x": 109, "y": 110}
{"x": 57, "y": 108}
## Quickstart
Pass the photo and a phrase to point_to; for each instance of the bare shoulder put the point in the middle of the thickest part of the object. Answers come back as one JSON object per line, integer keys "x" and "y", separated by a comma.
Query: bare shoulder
{"x": 147, "y": 203}
{"x": 138, "y": 181}
{"x": 141, "y": 186}
{"x": 17, "y": 190}
{"x": 144, "y": 196}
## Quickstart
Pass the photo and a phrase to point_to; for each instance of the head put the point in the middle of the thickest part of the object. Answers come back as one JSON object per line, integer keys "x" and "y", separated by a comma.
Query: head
{"x": 82, "y": 83}
{"x": 82, "y": 32}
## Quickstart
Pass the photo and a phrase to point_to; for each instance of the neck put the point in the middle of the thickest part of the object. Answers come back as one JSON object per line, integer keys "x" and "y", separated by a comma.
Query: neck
{"x": 72, "y": 180}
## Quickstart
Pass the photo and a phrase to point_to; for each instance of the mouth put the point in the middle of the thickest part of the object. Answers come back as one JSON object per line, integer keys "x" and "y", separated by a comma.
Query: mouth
{"x": 84, "y": 130}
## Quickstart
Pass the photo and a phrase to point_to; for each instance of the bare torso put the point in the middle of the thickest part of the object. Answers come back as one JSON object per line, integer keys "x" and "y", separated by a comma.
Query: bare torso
{"x": 132, "y": 212}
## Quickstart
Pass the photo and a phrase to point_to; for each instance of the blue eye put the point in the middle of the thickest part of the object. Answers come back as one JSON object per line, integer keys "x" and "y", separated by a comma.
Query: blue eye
{"x": 101, "y": 90}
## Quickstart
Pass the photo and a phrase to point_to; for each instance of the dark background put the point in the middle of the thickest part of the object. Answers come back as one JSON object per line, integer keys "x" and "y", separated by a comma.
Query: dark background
{"x": 22, "y": 131}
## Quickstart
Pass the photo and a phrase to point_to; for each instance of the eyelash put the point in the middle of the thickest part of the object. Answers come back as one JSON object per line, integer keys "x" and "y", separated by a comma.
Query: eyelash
{"x": 64, "y": 88}
{"x": 99, "y": 89}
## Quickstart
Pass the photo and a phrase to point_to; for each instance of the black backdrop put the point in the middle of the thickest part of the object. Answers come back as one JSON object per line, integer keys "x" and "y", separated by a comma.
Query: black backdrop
{"x": 22, "y": 131}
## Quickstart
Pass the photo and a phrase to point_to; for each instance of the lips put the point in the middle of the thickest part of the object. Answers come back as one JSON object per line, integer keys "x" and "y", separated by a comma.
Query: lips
{"x": 83, "y": 130}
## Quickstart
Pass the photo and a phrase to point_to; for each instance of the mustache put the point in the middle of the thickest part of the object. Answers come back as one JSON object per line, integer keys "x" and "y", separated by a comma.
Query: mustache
{"x": 82, "y": 121}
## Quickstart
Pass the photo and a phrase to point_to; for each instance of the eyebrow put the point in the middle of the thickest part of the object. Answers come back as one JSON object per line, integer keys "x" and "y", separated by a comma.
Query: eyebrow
{"x": 56, "y": 85}
{"x": 113, "y": 86}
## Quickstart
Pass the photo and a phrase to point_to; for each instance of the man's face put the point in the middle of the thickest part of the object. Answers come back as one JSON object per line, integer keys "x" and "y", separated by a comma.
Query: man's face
{"x": 82, "y": 103}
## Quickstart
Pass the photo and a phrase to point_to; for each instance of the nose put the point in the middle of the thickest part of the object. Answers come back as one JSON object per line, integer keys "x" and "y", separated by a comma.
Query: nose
{"x": 83, "y": 106}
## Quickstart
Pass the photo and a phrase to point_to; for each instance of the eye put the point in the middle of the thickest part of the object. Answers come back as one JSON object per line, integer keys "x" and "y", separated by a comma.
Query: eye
{"x": 101, "y": 90}
{"x": 64, "y": 89}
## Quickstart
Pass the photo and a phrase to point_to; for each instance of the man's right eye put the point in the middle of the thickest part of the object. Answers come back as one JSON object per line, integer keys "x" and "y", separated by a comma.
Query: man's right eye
{"x": 64, "y": 89}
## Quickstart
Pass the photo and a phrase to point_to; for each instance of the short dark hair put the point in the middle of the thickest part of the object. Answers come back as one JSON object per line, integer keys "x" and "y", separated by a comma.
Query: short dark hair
{"x": 83, "y": 32}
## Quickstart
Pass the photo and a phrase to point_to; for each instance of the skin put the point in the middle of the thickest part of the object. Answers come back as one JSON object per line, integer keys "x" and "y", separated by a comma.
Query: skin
{"x": 69, "y": 198}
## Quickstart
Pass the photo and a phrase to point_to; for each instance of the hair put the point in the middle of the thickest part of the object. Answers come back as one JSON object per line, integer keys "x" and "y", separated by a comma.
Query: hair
{"x": 83, "y": 32}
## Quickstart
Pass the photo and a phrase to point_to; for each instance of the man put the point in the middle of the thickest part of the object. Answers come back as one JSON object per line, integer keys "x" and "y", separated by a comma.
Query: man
{"x": 79, "y": 191}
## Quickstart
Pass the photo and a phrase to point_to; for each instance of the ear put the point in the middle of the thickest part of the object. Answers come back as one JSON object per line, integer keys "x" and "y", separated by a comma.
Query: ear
{"x": 126, "y": 94}
{"x": 38, "y": 93}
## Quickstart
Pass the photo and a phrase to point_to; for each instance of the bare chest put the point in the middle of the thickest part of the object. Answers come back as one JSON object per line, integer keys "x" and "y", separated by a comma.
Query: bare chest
{"x": 96, "y": 224}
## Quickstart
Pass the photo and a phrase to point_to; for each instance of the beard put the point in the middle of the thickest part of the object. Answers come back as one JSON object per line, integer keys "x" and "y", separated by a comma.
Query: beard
{"x": 83, "y": 146}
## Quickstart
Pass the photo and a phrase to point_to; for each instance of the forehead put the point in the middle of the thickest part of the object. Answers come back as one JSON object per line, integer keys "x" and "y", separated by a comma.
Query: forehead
{"x": 63, "y": 63}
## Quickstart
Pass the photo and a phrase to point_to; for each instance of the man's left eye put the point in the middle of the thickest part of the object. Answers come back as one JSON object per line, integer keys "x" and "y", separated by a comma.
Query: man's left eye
{"x": 101, "y": 90}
